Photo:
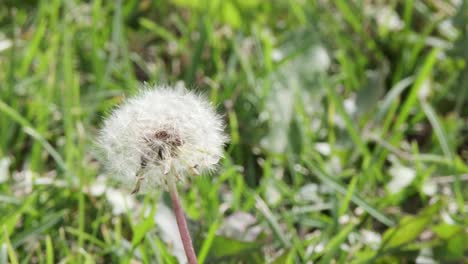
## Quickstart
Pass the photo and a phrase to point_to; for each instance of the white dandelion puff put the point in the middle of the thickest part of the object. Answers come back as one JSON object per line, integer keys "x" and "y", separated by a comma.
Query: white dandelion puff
{"x": 162, "y": 133}
{"x": 159, "y": 137}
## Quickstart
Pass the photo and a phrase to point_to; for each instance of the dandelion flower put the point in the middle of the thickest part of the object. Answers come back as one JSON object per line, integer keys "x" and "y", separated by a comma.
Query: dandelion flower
{"x": 162, "y": 136}
{"x": 162, "y": 133}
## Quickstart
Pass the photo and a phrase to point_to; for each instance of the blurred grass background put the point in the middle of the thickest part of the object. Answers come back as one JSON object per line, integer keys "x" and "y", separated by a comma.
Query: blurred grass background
{"x": 348, "y": 123}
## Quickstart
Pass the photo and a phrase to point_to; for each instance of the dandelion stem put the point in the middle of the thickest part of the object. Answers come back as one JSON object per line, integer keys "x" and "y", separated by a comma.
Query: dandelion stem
{"x": 182, "y": 224}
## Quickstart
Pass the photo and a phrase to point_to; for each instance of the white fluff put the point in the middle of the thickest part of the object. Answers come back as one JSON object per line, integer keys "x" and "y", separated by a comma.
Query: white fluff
{"x": 160, "y": 133}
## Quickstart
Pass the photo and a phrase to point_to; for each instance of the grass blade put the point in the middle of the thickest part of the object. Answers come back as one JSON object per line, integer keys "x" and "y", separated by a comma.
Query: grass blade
{"x": 205, "y": 249}
{"x": 271, "y": 219}
{"x": 49, "y": 251}
{"x": 27, "y": 127}
{"x": 336, "y": 186}
{"x": 411, "y": 100}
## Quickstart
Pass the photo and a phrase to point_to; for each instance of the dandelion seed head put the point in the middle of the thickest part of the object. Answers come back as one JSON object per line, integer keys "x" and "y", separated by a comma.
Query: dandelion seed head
{"x": 160, "y": 133}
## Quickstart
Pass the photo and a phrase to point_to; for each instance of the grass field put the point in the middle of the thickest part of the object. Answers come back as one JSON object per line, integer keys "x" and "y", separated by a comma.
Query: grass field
{"x": 348, "y": 123}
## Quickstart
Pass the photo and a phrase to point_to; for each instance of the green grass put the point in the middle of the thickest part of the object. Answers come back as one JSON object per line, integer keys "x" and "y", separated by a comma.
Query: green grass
{"x": 326, "y": 105}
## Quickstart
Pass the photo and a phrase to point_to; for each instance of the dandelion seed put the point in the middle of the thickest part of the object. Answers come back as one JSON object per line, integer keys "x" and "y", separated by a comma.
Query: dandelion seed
{"x": 160, "y": 137}
{"x": 162, "y": 133}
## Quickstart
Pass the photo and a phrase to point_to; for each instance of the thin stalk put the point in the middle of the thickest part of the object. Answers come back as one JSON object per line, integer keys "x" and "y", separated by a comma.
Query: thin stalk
{"x": 182, "y": 224}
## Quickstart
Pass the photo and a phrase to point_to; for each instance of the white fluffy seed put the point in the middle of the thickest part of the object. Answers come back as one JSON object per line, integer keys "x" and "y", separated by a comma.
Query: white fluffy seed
{"x": 160, "y": 133}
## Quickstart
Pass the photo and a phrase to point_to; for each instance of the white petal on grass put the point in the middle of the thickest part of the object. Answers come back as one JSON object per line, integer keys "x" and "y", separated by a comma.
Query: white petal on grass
{"x": 350, "y": 105}
{"x": 309, "y": 193}
{"x": 5, "y": 44}
{"x": 339, "y": 121}
{"x": 425, "y": 257}
{"x": 300, "y": 169}
{"x": 359, "y": 211}
{"x": 28, "y": 180}
{"x": 447, "y": 218}
{"x": 323, "y": 148}
{"x": 335, "y": 164}
{"x": 452, "y": 207}
{"x": 447, "y": 29}
{"x": 439, "y": 43}
{"x": 344, "y": 219}
{"x": 429, "y": 188}
{"x": 319, "y": 247}
{"x": 401, "y": 177}
{"x": 389, "y": 19}
{"x": 98, "y": 187}
{"x": 44, "y": 181}
{"x": 273, "y": 195}
{"x": 320, "y": 58}
{"x": 166, "y": 221}
{"x": 371, "y": 238}
{"x": 119, "y": 201}
{"x": 4, "y": 167}
{"x": 425, "y": 90}
{"x": 239, "y": 226}
{"x": 313, "y": 60}
{"x": 277, "y": 55}
{"x": 457, "y": 3}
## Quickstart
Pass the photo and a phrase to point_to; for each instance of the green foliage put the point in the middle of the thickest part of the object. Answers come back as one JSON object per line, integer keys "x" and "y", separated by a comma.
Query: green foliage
{"x": 348, "y": 126}
{"x": 409, "y": 228}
